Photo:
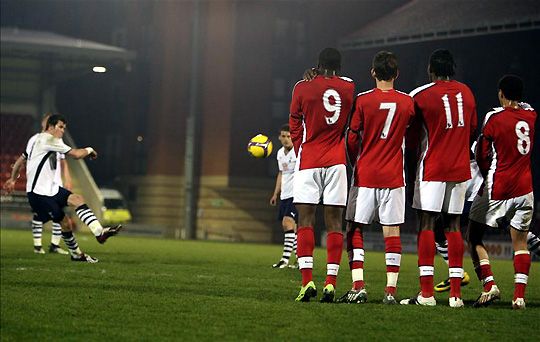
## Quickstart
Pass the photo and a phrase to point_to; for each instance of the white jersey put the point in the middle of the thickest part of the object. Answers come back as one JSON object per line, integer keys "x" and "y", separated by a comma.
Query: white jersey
{"x": 286, "y": 164}
{"x": 43, "y": 175}
{"x": 59, "y": 157}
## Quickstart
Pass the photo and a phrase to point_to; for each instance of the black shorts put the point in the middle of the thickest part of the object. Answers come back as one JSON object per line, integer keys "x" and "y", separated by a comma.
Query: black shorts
{"x": 46, "y": 208}
{"x": 287, "y": 209}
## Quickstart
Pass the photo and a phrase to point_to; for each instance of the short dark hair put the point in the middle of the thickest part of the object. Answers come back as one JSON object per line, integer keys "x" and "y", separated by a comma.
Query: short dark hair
{"x": 441, "y": 63}
{"x": 284, "y": 128}
{"x": 385, "y": 65}
{"x": 511, "y": 87}
{"x": 330, "y": 59}
{"x": 54, "y": 119}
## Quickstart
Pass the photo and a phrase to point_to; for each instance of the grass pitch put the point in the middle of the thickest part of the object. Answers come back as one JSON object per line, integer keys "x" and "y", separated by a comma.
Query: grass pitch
{"x": 154, "y": 289}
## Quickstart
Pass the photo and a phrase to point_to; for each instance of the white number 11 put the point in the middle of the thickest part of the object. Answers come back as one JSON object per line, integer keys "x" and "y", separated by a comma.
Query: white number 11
{"x": 446, "y": 102}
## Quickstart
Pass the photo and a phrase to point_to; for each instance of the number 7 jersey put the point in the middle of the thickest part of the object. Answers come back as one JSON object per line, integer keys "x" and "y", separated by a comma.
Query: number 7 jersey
{"x": 318, "y": 115}
{"x": 446, "y": 116}
{"x": 504, "y": 151}
{"x": 381, "y": 118}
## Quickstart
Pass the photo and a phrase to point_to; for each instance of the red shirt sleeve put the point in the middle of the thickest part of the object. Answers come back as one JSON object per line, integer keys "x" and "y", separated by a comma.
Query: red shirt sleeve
{"x": 353, "y": 133}
{"x": 483, "y": 150}
{"x": 295, "y": 121}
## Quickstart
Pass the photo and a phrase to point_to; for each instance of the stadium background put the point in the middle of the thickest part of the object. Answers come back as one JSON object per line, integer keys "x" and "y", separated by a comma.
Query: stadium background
{"x": 182, "y": 96}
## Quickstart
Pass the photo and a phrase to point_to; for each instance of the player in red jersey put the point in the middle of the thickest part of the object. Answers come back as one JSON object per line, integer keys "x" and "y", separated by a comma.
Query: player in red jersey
{"x": 319, "y": 112}
{"x": 504, "y": 158}
{"x": 446, "y": 116}
{"x": 377, "y": 128}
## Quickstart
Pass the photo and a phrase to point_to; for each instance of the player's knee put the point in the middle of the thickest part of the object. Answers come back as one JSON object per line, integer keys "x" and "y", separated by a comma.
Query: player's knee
{"x": 75, "y": 200}
{"x": 58, "y": 216}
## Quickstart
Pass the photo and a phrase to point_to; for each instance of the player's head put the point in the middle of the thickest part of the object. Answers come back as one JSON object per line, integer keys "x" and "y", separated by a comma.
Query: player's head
{"x": 384, "y": 66}
{"x": 56, "y": 125}
{"x": 44, "y": 120}
{"x": 329, "y": 61}
{"x": 441, "y": 64}
{"x": 510, "y": 88}
{"x": 285, "y": 137}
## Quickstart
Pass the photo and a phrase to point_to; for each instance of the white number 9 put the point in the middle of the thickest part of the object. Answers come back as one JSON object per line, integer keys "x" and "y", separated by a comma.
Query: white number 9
{"x": 524, "y": 141}
{"x": 332, "y": 108}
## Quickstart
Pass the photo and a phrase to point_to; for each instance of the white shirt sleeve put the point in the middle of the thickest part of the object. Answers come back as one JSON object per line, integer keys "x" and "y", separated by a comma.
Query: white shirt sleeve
{"x": 56, "y": 145}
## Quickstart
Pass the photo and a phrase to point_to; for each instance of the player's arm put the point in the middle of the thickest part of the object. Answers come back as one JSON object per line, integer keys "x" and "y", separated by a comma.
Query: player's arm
{"x": 66, "y": 174}
{"x": 80, "y": 153}
{"x": 412, "y": 143}
{"x": 9, "y": 185}
{"x": 295, "y": 121}
{"x": 474, "y": 131}
{"x": 483, "y": 151}
{"x": 353, "y": 133}
{"x": 277, "y": 189}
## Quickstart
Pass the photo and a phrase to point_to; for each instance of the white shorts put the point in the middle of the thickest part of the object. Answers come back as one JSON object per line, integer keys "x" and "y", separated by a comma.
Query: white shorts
{"x": 447, "y": 197}
{"x": 326, "y": 183}
{"x": 518, "y": 211}
{"x": 386, "y": 206}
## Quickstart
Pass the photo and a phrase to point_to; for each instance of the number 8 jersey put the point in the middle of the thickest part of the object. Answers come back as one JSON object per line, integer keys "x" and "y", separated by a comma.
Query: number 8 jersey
{"x": 318, "y": 116}
{"x": 504, "y": 151}
{"x": 446, "y": 114}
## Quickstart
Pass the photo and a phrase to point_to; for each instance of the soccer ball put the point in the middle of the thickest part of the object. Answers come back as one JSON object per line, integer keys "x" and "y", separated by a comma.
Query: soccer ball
{"x": 260, "y": 146}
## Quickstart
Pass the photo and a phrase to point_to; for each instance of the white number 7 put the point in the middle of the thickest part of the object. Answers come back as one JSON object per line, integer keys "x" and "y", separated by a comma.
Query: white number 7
{"x": 391, "y": 107}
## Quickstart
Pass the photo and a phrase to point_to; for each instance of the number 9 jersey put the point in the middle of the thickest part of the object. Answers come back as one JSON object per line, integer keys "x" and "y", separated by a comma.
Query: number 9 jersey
{"x": 318, "y": 116}
{"x": 446, "y": 112}
{"x": 504, "y": 151}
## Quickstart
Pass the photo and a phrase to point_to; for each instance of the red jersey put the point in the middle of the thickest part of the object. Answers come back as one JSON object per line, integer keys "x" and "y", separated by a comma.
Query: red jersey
{"x": 446, "y": 111}
{"x": 504, "y": 152}
{"x": 319, "y": 112}
{"x": 381, "y": 118}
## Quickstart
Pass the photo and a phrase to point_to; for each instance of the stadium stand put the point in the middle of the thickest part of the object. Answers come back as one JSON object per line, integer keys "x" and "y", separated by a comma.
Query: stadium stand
{"x": 16, "y": 129}
{"x": 424, "y": 20}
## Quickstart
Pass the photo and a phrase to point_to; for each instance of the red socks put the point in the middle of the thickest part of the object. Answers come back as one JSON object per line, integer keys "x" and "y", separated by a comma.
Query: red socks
{"x": 393, "y": 261}
{"x": 426, "y": 256}
{"x": 522, "y": 263}
{"x": 334, "y": 249}
{"x": 355, "y": 248}
{"x": 304, "y": 251}
{"x": 483, "y": 271}
{"x": 455, "y": 262}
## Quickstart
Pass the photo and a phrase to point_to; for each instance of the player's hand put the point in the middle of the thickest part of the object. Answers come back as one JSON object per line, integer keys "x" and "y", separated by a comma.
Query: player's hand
{"x": 273, "y": 200}
{"x": 9, "y": 186}
{"x": 93, "y": 155}
{"x": 310, "y": 74}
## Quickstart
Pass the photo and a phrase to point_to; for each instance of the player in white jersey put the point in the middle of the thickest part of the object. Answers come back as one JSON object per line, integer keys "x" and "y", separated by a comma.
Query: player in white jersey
{"x": 287, "y": 215}
{"x": 48, "y": 199}
{"x": 62, "y": 172}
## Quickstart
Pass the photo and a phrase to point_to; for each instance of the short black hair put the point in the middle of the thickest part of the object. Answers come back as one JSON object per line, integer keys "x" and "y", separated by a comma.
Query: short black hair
{"x": 441, "y": 63}
{"x": 54, "y": 119}
{"x": 385, "y": 65}
{"x": 511, "y": 87}
{"x": 284, "y": 128}
{"x": 330, "y": 59}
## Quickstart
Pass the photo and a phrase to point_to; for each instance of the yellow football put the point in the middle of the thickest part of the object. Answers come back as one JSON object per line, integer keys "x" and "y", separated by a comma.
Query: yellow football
{"x": 260, "y": 146}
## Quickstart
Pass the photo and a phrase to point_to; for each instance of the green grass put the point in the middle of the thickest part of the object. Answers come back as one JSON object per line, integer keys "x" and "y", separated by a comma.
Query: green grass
{"x": 154, "y": 289}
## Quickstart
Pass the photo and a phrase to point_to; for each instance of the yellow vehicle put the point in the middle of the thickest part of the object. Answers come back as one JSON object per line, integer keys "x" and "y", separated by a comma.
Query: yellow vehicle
{"x": 114, "y": 208}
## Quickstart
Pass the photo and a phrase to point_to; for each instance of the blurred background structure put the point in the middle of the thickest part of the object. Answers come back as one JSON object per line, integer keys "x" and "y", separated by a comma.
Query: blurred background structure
{"x": 229, "y": 66}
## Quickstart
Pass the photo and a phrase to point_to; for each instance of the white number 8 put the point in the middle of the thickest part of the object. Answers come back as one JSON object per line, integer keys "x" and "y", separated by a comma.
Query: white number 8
{"x": 332, "y": 108}
{"x": 524, "y": 141}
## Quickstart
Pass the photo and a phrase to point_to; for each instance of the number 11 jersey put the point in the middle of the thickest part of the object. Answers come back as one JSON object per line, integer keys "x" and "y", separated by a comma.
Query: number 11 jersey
{"x": 446, "y": 116}
{"x": 318, "y": 115}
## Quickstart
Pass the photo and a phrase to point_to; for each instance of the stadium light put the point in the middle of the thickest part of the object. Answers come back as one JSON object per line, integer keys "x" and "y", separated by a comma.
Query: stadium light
{"x": 99, "y": 69}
